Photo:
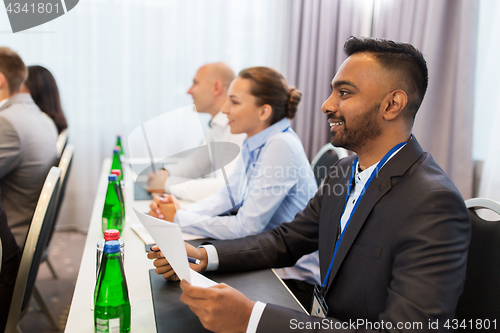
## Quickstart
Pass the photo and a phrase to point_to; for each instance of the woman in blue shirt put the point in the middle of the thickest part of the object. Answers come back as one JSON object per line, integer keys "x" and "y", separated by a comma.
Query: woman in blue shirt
{"x": 272, "y": 181}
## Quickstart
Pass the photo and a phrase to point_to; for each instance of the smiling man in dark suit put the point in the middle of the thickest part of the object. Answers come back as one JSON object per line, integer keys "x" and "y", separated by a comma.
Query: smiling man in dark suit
{"x": 391, "y": 228}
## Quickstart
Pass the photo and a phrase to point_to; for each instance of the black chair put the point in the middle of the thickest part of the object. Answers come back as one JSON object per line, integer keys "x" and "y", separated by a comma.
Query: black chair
{"x": 324, "y": 160}
{"x": 481, "y": 296}
{"x": 65, "y": 166}
{"x": 34, "y": 248}
{"x": 61, "y": 142}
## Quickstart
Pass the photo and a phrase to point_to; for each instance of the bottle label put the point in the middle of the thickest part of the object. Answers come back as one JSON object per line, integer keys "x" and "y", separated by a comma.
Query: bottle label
{"x": 107, "y": 325}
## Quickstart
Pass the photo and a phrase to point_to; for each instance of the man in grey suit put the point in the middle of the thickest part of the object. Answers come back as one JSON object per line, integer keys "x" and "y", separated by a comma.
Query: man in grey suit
{"x": 27, "y": 146}
{"x": 391, "y": 228}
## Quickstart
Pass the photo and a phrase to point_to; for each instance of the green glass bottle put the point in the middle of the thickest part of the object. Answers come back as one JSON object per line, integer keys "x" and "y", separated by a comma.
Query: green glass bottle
{"x": 112, "y": 214}
{"x": 112, "y": 305}
{"x": 117, "y": 164}
{"x": 119, "y": 189}
{"x": 119, "y": 144}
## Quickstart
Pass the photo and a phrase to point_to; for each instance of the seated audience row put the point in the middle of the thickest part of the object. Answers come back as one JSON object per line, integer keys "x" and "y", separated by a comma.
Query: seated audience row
{"x": 391, "y": 228}
{"x": 272, "y": 181}
{"x": 27, "y": 152}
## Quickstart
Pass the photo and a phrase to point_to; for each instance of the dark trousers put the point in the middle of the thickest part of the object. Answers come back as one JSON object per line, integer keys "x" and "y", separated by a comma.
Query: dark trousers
{"x": 303, "y": 291}
{"x": 7, "y": 281}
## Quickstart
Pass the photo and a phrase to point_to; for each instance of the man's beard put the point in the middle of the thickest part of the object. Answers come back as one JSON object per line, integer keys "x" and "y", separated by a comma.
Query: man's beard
{"x": 362, "y": 129}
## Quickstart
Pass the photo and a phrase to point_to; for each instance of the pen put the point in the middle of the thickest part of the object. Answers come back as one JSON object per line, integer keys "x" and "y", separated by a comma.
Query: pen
{"x": 194, "y": 261}
{"x": 191, "y": 260}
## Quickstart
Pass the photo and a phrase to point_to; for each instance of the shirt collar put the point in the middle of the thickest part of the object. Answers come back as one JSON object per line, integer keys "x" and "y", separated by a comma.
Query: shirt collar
{"x": 2, "y": 103}
{"x": 17, "y": 98}
{"x": 362, "y": 177}
{"x": 259, "y": 139}
{"x": 220, "y": 119}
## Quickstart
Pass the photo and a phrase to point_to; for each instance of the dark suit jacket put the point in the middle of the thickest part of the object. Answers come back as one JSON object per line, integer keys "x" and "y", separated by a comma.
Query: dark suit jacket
{"x": 402, "y": 258}
{"x": 11, "y": 257}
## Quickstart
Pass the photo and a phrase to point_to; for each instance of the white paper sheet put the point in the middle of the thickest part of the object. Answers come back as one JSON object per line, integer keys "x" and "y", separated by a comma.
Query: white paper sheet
{"x": 142, "y": 233}
{"x": 200, "y": 280}
{"x": 187, "y": 236}
{"x": 148, "y": 240}
{"x": 168, "y": 237}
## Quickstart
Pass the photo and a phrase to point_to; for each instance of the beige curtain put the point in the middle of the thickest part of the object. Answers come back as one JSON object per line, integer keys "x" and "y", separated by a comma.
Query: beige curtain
{"x": 318, "y": 32}
{"x": 444, "y": 30}
{"x": 446, "y": 33}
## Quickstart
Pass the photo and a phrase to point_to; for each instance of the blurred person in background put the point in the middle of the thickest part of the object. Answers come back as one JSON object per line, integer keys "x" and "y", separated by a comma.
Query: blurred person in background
{"x": 43, "y": 89}
{"x": 196, "y": 171}
{"x": 27, "y": 146}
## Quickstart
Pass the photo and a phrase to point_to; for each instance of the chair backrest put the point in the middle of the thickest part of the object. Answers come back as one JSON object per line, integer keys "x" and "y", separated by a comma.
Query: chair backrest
{"x": 65, "y": 165}
{"x": 34, "y": 248}
{"x": 481, "y": 296}
{"x": 61, "y": 142}
{"x": 325, "y": 159}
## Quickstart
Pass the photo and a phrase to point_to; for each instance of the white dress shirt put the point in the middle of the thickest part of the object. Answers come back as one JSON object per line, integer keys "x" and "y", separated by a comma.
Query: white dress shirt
{"x": 181, "y": 181}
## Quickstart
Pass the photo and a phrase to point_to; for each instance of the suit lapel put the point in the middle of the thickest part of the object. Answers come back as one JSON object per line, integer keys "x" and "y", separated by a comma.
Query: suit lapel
{"x": 380, "y": 185}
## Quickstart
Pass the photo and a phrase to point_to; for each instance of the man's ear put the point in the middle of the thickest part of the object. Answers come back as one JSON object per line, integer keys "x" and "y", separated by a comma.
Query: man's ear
{"x": 265, "y": 112}
{"x": 3, "y": 81}
{"x": 218, "y": 88}
{"x": 394, "y": 104}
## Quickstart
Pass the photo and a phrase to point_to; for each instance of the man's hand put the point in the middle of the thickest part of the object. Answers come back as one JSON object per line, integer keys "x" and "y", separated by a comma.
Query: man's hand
{"x": 220, "y": 308}
{"x": 156, "y": 181}
{"x": 164, "y": 268}
{"x": 163, "y": 208}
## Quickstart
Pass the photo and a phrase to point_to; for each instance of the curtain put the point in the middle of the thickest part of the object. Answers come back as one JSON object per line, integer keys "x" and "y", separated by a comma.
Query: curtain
{"x": 446, "y": 33}
{"x": 487, "y": 120}
{"x": 119, "y": 63}
{"x": 317, "y": 35}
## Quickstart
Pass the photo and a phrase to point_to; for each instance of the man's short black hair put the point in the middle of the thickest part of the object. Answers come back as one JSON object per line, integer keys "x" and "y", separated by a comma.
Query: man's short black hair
{"x": 402, "y": 57}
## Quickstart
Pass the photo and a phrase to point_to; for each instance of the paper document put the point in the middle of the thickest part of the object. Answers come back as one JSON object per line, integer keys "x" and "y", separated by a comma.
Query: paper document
{"x": 187, "y": 236}
{"x": 168, "y": 237}
{"x": 148, "y": 240}
{"x": 200, "y": 280}
{"x": 142, "y": 233}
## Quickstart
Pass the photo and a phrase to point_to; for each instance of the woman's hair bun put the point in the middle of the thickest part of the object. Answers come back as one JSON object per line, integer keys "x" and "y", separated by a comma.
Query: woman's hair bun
{"x": 293, "y": 101}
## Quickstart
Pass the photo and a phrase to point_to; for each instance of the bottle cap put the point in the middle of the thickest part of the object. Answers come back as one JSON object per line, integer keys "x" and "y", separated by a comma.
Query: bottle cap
{"x": 118, "y": 136}
{"x": 112, "y": 247}
{"x": 111, "y": 234}
{"x": 116, "y": 172}
{"x": 112, "y": 178}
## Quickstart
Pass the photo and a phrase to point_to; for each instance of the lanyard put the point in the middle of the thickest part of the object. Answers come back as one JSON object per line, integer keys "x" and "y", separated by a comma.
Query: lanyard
{"x": 253, "y": 161}
{"x": 368, "y": 182}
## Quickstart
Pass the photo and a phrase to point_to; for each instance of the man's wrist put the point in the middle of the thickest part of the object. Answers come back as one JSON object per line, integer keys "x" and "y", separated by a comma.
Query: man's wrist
{"x": 255, "y": 316}
{"x": 212, "y": 257}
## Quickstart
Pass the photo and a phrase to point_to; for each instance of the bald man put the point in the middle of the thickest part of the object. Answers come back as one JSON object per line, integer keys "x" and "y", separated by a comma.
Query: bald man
{"x": 209, "y": 92}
